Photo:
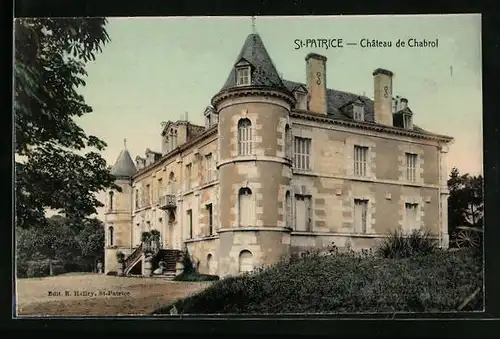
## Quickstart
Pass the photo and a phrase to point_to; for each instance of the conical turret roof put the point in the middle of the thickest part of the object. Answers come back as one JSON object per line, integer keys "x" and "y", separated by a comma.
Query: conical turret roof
{"x": 264, "y": 74}
{"x": 124, "y": 165}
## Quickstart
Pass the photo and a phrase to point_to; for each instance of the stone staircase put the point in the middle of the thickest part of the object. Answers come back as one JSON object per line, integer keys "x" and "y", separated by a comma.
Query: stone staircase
{"x": 170, "y": 258}
{"x": 133, "y": 259}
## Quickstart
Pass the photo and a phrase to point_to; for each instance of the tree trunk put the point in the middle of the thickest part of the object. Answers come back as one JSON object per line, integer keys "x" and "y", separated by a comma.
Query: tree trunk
{"x": 51, "y": 269}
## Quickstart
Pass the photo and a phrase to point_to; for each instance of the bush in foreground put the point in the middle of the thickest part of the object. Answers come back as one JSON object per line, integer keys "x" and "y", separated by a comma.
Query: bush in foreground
{"x": 399, "y": 245}
{"x": 196, "y": 277}
{"x": 344, "y": 283}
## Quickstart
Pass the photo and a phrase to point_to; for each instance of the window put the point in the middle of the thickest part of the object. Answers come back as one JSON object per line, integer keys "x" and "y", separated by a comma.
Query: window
{"x": 210, "y": 220}
{"x": 171, "y": 183}
{"x": 288, "y": 209}
{"x": 407, "y": 123}
{"x": 360, "y": 160}
{"x": 171, "y": 217}
{"x": 358, "y": 112}
{"x": 172, "y": 139}
{"x": 245, "y": 205}
{"x": 288, "y": 143}
{"x": 137, "y": 204}
{"x": 190, "y": 223}
{"x": 303, "y": 213}
{"x": 360, "y": 215}
{"x": 209, "y": 165}
{"x": 244, "y": 137}
{"x": 300, "y": 98}
{"x": 111, "y": 234}
{"x": 189, "y": 168}
{"x": 245, "y": 261}
{"x": 111, "y": 202}
{"x": 210, "y": 264}
{"x": 159, "y": 189}
{"x": 147, "y": 195}
{"x": 411, "y": 167}
{"x": 243, "y": 76}
{"x": 302, "y": 152}
{"x": 411, "y": 220}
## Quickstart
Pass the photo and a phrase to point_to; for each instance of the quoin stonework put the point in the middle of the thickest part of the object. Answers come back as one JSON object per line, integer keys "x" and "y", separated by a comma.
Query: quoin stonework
{"x": 280, "y": 167}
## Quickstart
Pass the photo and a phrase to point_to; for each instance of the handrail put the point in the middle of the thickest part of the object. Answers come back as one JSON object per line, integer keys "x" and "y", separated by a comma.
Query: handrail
{"x": 133, "y": 256}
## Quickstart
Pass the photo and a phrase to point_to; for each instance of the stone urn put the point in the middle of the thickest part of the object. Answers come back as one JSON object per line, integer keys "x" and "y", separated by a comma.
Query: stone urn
{"x": 179, "y": 268}
{"x": 148, "y": 266}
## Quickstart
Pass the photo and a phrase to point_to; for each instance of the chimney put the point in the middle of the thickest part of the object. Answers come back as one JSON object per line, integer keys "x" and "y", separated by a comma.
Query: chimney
{"x": 404, "y": 103}
{"x": 316, "y": 82}
{"x": 382, "y": 79}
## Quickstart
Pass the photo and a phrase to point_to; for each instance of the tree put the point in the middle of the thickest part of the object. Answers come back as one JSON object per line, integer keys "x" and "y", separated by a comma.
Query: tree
{"x": 91, "y": 241}
{"x": 55, "y": 240}
{"x": 50, "y": 59}
{"x": 465, "y": 203}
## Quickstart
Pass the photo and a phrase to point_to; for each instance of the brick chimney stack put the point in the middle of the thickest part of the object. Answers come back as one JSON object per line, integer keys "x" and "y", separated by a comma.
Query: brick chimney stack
{"x": 316, "y": 82}
{"x": 382, "y": 79}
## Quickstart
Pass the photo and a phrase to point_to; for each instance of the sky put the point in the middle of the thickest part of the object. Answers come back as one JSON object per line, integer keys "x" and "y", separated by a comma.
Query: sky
{"x": 159, "y": 69}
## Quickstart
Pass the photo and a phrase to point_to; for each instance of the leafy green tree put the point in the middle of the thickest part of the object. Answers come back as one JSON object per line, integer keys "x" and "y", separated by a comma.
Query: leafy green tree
{"x": 91, "y": 241}
{"x": 465, "y": 203}
{"x": 54, "y": 240}
{"x": 54, "y": 167}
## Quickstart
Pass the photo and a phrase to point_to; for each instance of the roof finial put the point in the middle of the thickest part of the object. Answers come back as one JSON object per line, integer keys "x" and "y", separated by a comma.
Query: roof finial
{"x": 125, "y": 143}
{"x": 253, "y": 24}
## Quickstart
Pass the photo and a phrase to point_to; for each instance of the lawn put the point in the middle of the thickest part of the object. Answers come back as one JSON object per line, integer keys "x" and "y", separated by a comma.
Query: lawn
{"x": 123, "y": 295}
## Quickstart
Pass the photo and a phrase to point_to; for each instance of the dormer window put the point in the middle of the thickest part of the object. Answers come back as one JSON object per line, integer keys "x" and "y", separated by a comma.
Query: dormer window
{"x": 243, "y": 76}
{"x": 407, "y": 123}
{"x": 358, "y": 112}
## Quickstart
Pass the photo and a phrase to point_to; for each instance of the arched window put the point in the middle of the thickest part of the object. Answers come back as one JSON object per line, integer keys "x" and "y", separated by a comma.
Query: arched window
{"x": 209, "y": 263}
{"x": 288, "y": 209}
{"x": 111, "y": 200}
{"x": 288, "y": 142}
{"x": 244, "y": 137}
{"x": 245, "y": 261}
{"x": 245, "y": 206}
{"x": 111, "y": 234}
{"x": 172, "y": 138}
{"x": 171, "y": 183}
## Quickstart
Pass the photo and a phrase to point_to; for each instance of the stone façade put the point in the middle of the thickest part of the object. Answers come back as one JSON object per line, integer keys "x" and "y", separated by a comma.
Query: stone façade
{"x": 268, "y": 171}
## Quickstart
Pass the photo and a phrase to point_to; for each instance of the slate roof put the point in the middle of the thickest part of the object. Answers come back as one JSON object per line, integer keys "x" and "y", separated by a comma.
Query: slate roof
{"x": 264, "y": 74}
{"x": 124, "y": 166}
{"x": 337, "y": 102}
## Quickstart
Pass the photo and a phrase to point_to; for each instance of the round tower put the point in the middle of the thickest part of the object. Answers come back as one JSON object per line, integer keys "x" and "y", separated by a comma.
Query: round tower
{"x": 254, "y": 162}
{"x": 118, "y": 213}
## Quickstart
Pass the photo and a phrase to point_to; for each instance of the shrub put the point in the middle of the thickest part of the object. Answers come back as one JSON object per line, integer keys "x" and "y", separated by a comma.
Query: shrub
{"x": 120, "y": 257}
{"x": 400, "y": 246}
{"x": 196, "y": 277}
{"x": 345, "y": 282}
{"x": 39, "y": 268}
{"x": 189, "y": 267}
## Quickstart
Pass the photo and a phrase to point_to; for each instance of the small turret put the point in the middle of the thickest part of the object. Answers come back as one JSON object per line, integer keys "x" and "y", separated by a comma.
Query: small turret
{"x": 124, "y": 165}
{"x": 118, "y": 212}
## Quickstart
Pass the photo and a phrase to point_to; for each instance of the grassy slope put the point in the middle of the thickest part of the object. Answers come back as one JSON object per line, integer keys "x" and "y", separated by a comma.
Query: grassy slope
{"x": 343, "y": 283}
